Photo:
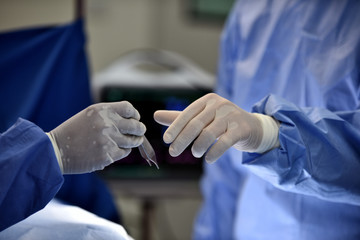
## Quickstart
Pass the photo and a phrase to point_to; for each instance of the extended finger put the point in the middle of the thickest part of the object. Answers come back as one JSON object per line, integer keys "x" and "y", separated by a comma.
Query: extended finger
{"x": 219, "y": 148}
{"x": 182, "y": 120}
{"x": 207, "y": 137}
{"x": 190, "y": 132}
{"x": 165, "y": 117}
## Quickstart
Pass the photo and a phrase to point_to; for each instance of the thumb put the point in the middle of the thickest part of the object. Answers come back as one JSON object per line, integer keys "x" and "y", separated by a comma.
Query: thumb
{"x": 165, "y": 118}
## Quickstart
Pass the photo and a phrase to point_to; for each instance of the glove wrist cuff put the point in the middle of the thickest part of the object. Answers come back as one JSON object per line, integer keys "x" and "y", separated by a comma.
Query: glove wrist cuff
{"x": 56, "y": 150}
{"x": 270, "y": 139}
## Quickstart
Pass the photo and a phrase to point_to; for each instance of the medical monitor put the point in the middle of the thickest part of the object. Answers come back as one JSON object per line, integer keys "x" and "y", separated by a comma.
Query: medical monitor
{"x": 147, "y": 101}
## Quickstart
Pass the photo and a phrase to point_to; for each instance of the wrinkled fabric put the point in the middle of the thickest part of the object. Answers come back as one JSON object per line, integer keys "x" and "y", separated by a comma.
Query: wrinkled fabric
{"x": 27, "y": 184}
{"x": 61, "y": 221}
{"x": 297, "y": 61}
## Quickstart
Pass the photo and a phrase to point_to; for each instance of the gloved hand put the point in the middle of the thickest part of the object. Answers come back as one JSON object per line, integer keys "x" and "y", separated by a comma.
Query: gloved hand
{"x": 212, "y": 117}
{"x": 97, "y": 136}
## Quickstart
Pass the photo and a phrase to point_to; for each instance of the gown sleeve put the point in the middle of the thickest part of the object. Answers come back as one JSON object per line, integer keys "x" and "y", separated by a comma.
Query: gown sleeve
{"x": 220, "y": 187}
{"x": 29, "y": 173}
{"x": 319, "y": 153}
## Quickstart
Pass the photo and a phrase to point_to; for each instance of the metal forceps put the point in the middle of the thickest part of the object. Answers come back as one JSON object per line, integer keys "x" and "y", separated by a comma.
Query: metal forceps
{"x": 148, "y": 153}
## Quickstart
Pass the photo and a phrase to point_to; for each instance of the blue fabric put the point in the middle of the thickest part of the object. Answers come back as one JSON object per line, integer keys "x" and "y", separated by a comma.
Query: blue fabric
{"x": 43, "y": 75}
{"x": 26, "y": 183}
{"x": 297, "y": 61}
{"x": 44, "y": 78}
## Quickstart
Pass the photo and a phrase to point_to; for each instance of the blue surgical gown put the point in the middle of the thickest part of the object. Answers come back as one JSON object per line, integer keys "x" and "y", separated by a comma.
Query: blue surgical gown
{"x": 44, "y": 78}
{"x": 29, "y": 172}
{"x": 298, "y": 61}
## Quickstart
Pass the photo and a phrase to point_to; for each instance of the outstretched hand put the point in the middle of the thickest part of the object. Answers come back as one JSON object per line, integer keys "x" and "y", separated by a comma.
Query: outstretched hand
{"x": 214, "y": 124}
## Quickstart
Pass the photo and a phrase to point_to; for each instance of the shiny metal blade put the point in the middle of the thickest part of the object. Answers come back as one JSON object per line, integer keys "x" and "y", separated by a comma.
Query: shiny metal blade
{"x": 148, "y": 153}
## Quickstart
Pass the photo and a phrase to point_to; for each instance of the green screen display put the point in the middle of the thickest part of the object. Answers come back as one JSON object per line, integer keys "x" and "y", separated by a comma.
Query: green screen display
{"x": 210, "y": 9}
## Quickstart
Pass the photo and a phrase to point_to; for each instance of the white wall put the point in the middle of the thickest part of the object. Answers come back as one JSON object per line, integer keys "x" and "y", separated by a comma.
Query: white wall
{"x": 117, "y": 26}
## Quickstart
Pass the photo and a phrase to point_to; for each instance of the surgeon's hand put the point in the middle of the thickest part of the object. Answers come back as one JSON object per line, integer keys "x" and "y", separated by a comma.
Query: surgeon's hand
{"x": 215, "y": 124}
{"x": 97, "y": 136}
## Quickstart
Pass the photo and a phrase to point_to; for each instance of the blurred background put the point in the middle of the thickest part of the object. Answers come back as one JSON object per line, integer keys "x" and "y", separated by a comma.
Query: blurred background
{"x": 174, "y": 42}
{"x": 114, "y": 27}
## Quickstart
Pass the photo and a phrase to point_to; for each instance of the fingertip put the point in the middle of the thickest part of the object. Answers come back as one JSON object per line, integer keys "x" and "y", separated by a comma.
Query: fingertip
{"x": 210, "y": 160}
{"x": 133, "y": 113}
{"x": 130, "y": 111}
{"x": 165, "y": 117}
{"x": 137, "y": 141}
{"x": 173, "y": 152}
{"x": 143, "y": 128}
{"x": 156, "y": 115}
{"x": 137, "y": 114}
{"x": 167, "y": 137}
{"x": 196, "y": 153}
{"x": 141, "y": 140}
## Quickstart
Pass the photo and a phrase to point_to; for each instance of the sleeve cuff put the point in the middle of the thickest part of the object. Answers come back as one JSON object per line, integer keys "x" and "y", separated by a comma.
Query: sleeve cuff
{"x": 57, "y": 152}
{"x": 270, "y": 138}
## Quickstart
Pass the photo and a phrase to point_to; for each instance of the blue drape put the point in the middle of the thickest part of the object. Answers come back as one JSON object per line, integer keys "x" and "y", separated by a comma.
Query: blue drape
{"x": 43, "y": 75}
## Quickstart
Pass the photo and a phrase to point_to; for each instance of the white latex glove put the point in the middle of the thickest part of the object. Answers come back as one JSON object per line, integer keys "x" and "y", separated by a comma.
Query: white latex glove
{"x": 97, "y": 136}
{"x": 217, "y": 124}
